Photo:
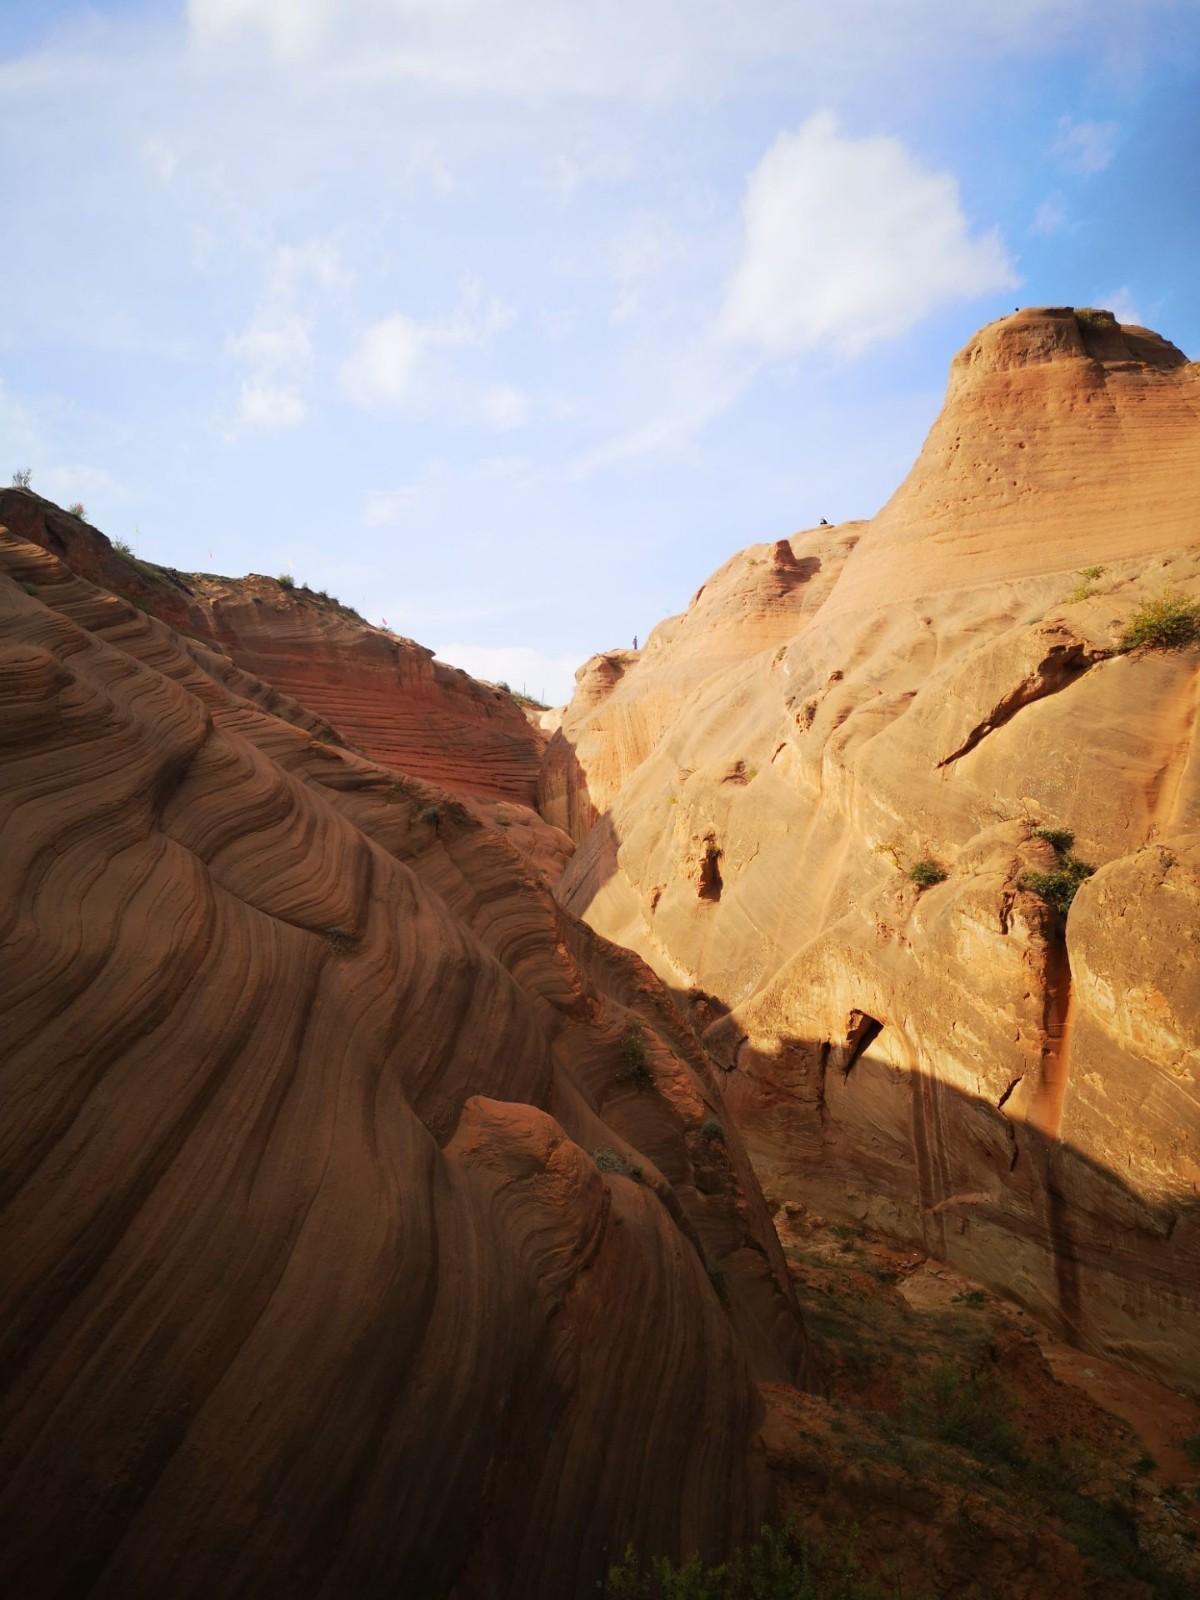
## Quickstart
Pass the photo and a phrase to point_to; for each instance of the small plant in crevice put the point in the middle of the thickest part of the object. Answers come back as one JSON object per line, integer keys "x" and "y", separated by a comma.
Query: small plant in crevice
{"x": 431, "y": 816}
{"x": 926, "y": 872}
{"x": 1057, "y": 888}
{"x": 340, "y": 940}
{"x": 712, "y": 1131}
{"x": 635, "y": 1064}
{"x": 122, "y": 548}
{"x": 1169, "y": 622}
{"x": 21, "y": 478}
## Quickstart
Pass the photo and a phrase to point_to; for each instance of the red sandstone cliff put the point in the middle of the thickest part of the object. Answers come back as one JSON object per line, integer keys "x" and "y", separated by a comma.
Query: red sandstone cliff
{"x": 342, "y": 1252}
{"x": 751, "y": 792}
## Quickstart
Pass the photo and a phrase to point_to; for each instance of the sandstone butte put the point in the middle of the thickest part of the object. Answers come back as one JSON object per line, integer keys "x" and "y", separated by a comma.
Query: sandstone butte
{"x": 1016, "y": 1092}
{"x": 372, "y": 1225}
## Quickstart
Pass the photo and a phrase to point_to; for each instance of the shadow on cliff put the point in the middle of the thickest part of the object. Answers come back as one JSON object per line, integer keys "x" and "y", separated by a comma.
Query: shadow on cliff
{"x": 1111, "y": 1269}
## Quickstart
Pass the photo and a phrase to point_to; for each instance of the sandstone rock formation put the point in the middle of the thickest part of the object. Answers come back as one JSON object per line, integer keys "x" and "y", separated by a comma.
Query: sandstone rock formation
{"x": 368, "y": 1225}
{"x": 381, "y": 693}
{"x": 858, "y": 707}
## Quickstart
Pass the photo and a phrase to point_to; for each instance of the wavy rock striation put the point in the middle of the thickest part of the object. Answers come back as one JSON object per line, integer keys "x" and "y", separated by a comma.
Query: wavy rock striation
{"x": 756, "y": 794}
{"x": 383, "y": 694}
{"x": 347, "y": 1243}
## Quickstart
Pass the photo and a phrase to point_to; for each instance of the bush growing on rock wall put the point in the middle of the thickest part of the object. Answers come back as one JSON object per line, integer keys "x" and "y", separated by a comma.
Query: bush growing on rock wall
{"x": 1058, "y": 888}
{"x": 286, "y": 581}
{"x": 1168, "y": 623}
{"x": 712, "y": 1130}
{"x": 925, "y": 873}
{"x": 77, "y": 509}
{"x": 635, "y": 1066}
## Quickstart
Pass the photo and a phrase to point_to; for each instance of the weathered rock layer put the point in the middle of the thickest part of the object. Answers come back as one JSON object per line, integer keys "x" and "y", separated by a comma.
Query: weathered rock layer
{"x": 754, "y": 793}
{"x": 341, "y": 1249}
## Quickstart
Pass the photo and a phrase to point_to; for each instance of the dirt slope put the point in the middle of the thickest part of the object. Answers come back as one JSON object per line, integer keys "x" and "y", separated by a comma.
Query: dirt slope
{"x": 751, "y": 793}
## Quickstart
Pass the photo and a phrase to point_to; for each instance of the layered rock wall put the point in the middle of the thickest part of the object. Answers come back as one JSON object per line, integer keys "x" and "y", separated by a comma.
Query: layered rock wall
{"x": 341, "y": 1252}
{"x": 919, "y": 695}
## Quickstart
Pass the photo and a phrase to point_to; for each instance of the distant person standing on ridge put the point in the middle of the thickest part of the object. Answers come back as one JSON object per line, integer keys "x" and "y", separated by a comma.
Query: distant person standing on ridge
{"x": 824, "y": 524}
{"x": 635, "y": 641}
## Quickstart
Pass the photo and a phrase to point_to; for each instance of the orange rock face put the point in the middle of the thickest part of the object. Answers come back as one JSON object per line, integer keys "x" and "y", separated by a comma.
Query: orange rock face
{"x": 348, "y": 1246}
{"x": 813, "y": 801}
{"x": 382, "y": 694}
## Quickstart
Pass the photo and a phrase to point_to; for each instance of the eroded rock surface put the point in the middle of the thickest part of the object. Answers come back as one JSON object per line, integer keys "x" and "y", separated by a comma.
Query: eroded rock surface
{"x": 342, "y": 1252}
{"x": 754, "y": 792}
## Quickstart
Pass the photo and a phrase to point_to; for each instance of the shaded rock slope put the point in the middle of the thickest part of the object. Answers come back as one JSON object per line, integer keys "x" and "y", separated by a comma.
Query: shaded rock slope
{"x": 368, "y": 1225}
{"x": 813, "y": 803}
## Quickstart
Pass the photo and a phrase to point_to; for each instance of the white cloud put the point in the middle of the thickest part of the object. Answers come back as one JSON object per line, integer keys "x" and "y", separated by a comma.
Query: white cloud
{"x": 393, "y": 363}
{"x": 290, "y": 27}
{"x": 384, "y": 508}
{"x": 272, "y": 406}
{"x": 276, "y": 346}
{"x": 1120, "y": 302}
{"x": 160, "y": 158}
{"x": 381, "y": 371}
{"x": 1085, "y": 147}
{"x": 849, "y": 241}
{"x": 1049, "y": 218}
{"x": 504, "y": 407}
{"x": 654, "y": 49}
{"x": 521, "y": 667}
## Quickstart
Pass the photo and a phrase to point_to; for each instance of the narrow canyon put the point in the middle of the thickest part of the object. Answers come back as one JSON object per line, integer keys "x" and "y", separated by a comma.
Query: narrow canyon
{"x": 451, "y": 1144}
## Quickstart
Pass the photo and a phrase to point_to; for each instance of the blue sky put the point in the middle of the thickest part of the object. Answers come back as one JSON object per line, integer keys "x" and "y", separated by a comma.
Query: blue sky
{"x": 508, "y": 322}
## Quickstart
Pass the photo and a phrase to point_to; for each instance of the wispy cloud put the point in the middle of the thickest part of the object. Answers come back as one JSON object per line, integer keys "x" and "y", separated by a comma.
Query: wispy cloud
{"x": 1049, "y": 218}
{"x": 1085, "y": 147}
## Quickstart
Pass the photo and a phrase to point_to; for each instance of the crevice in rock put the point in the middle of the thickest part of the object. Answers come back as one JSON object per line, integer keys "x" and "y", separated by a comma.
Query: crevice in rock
{"x": 861, "y": 1032}
{"x": 1000, "y": 1104}
{"x": 711, "y": 882}
{"x": 1060, "y": 667}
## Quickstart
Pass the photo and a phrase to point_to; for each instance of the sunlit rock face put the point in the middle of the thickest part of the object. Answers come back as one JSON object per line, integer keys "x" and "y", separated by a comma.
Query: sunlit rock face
{"x": 812, "y": 803}
{"x": 348, "y": 1246}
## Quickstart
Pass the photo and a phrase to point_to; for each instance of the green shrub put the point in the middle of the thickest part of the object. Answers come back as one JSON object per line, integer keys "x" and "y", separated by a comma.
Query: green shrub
{"x": 286, "y": 581}
{"x": 635, "y": 1066}
{"x": 77, "y": 509}
{"x": 122, "y": 548}
{"x": 712, "y": 1130}
{"x": 1061, "y": 838}
{"x": 341, "y": 940}
{"x": 22, "y": 477}
{"x": 925, "y": 873}
{"x": 1083, "y": 589}
{"x": 1057, "y": 888}
{"x": 969, "y": 1411}
{"x": 781, "y": 1564}
{"x": 1168, "y": 623}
